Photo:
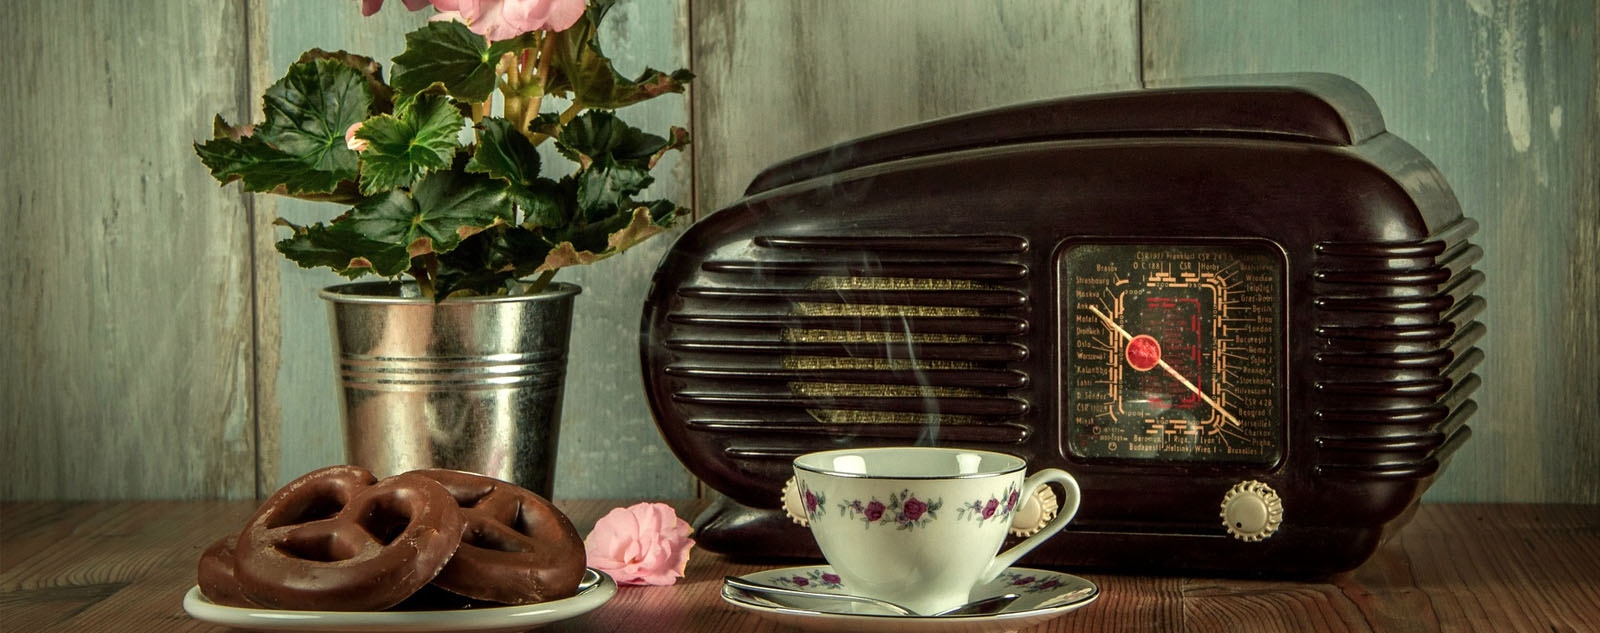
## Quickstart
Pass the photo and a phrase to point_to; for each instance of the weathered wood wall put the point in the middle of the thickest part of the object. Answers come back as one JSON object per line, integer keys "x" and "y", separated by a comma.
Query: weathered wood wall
{"x": 126, "y": 351}
{"x": 1502, "y": 96}
{"x": 154, "y": 344}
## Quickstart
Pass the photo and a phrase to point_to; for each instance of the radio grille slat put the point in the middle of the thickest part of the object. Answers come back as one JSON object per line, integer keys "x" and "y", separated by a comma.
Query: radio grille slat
{"x": 1001, "y": 299}
{"x": 942, "y": 269}
{"x": 976, "y": 352}
{"x": 994, "y": 407}
{"x": 987, "y": 244}
{"x": 977, "y": 379}
{"x": 981, "y": 326}
{"x": 1008, "y": 433}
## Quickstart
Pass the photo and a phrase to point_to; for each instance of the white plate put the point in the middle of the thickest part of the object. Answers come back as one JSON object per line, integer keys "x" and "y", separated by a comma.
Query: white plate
{"x": 595, "y": 589}
{"x": 1043, "y": 595}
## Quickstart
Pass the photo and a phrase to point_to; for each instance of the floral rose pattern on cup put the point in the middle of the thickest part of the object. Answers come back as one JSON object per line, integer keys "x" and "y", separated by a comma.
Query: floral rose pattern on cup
{"x": 814, "y": 579}
{"x": 995, "y": 507}
{"x": 1030, "y": 583}
{"x": 815, "y": 503}
{"x": 904, "y": 510}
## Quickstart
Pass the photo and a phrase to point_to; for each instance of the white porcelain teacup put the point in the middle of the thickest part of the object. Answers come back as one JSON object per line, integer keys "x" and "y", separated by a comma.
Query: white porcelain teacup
{"x": 920, "y": 526}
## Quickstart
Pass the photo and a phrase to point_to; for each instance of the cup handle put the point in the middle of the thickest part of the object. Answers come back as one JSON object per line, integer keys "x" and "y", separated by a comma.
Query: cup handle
{"x": 1069, "y": 508}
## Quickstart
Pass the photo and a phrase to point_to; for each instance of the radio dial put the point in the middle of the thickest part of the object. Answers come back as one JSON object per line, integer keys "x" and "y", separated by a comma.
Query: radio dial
{"x": 1251, "y": 511}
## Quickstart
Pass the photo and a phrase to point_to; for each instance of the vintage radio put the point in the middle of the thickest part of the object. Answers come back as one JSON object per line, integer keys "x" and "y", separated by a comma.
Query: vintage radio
{"x": 1244, "y": 316}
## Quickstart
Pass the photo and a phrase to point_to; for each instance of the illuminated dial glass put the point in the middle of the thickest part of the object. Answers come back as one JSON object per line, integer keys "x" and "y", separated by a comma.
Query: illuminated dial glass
{"x": 1172, "y": 352}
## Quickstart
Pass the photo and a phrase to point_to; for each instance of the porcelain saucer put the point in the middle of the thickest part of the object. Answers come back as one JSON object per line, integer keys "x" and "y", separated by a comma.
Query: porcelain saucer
{"x": 1043, "y": 595}
{"x": 595, "y": 589}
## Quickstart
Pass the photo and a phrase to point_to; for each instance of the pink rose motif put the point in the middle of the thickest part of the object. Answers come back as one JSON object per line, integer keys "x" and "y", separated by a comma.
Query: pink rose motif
{"x": 800, "y": 581}
{"x": 989, "y": 508}
{"x": 506, "y": 19}
{"x": 914, "y": 508}
{"x": 811, "y": 502}
{"x": 1022, "y": 581}
{"x": 1011, "y": 502}
{"x": 832, "y": 579}
{"x": 874, "y": 510}
{"x": 642, "y": 544}
{"x": 369, "y": 7}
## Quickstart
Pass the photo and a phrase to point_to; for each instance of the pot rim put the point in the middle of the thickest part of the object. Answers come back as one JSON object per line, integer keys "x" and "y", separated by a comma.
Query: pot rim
{"x": 387, "y": 292}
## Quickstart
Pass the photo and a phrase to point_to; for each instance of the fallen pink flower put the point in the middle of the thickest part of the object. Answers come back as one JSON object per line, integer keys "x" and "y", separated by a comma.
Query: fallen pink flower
{"x": 642, "y": 544}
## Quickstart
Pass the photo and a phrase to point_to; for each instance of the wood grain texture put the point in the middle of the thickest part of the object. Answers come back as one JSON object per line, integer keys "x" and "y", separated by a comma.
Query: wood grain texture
{"x": 609, "y": 446}
{"x": 1503, "y": 97}
{"x": 1535, "y": 568}
{"x": 780, "y": 78}
{"x": 127, "y": 353}
{"x": 304, "y": 432}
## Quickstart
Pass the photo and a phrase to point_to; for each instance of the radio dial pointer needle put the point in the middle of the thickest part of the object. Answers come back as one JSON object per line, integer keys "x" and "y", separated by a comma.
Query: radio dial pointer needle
{"x": 1162, "y": 363}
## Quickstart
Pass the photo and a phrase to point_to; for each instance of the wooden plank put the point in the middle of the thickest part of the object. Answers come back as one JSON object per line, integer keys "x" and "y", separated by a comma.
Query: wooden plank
{"x": 1502, "y": 97}
{"x": 778, "y": 79}
{"x": 304, "y": 433}
{"x": 127, "y": 356}
{"x": 609, "y": 446}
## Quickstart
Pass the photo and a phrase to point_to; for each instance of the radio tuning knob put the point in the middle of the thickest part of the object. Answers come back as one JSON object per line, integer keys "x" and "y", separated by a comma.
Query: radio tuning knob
{"x": 1036, "y": 511}
{"x": 793, "y": 505}
{"x": 1251, "y": 511}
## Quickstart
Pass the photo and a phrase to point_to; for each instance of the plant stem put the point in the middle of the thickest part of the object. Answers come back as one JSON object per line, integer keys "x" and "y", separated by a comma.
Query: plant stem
{"x": 571, "y": 112}
{"x": 424, "y": 280}
{"x": 538, "y": 285}
{"x": 540, "y": 72}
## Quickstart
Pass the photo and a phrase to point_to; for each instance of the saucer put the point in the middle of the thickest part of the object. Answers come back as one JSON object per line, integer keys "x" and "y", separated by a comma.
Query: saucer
{"x": 1043, "y": 595}
{"x": 595, "y": 589}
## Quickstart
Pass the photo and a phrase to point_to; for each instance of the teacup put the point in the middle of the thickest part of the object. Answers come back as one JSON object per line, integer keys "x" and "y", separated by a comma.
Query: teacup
{"x": 920, "y": 526}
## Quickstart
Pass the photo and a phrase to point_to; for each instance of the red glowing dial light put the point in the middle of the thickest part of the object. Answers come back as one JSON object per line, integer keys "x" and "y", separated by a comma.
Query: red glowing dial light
{"x": 1144, "y": 352}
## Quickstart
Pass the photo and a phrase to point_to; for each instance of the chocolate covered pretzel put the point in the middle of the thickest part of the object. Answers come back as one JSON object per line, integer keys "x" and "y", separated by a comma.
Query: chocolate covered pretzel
{"x": 517, "y": 548}
{"x": 337, "y": 539}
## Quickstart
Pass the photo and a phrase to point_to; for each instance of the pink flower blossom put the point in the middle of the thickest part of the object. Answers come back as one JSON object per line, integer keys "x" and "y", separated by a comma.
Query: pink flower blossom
{"x": 350, "y": 140}
{"x": 505, "y": 19}
{"x": 642, "y": 544}
{"x": 369, "y": 7}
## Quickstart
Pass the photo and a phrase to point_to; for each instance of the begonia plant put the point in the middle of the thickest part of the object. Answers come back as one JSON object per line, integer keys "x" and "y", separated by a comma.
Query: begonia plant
{"x": 440, "y": 180}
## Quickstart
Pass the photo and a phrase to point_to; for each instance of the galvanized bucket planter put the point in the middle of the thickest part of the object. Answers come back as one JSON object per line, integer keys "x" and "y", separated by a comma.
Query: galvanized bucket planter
{"x": 470, "y": 383}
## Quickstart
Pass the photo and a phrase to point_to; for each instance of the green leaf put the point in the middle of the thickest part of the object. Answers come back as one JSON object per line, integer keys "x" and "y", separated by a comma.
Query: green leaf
{"x": 450, "y": 54}
{"x": 345, "y": 251}
{"x": 262, "y": 168}
{"x": 600, "y": 137}
{"x": 403, "y": 148}
{"x": 444, "y": 208}
{"x": 504, "y": 153}
{"x": 546, "y": 203}
{"x": 582, "y": 71}
{"x": 370, "y": 69}
{"x": 605, "y": 190}
{"x": 308, "y": 111}
{"x": 489, "y": 261}
{"x": 299, "y": 149}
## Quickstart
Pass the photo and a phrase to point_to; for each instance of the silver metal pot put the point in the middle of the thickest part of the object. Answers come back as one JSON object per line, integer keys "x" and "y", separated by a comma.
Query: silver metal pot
{"x": 470, "y": 384}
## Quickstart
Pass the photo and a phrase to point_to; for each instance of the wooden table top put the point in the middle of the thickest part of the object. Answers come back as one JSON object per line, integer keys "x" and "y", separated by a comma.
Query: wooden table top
{"x": 124, "y": 566}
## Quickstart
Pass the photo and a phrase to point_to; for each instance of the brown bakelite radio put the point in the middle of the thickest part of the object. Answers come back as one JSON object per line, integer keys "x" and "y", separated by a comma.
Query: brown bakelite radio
{"x": 1243, "y": 316}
